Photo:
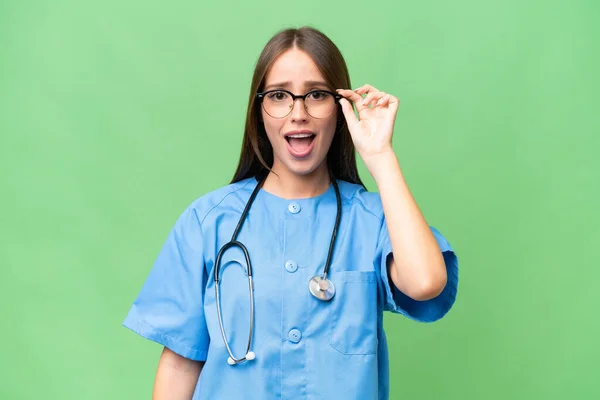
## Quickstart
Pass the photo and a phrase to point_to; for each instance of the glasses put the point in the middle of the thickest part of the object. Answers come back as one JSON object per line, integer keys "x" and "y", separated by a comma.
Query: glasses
{"x": 279, "y": 103}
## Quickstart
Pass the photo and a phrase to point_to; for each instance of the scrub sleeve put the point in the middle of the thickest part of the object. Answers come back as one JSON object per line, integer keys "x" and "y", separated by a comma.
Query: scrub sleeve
{"x": 169, "y": 308}
{"x": 397, "y": 302}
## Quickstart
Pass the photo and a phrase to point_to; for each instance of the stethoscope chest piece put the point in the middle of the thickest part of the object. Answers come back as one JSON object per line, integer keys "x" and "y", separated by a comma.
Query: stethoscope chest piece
{"x": 322, "y": 289}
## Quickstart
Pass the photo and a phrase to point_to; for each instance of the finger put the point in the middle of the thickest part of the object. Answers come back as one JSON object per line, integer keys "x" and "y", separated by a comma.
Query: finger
{"x": 351, "y": 95}
{"x": 348, "y": 112}
{"x": 366, "y": 89}
{"x": 393, "y": 102}
{"x": 372, "y": 97}
{"x": 384, "y": 101}
{"x": 354, "y": 98}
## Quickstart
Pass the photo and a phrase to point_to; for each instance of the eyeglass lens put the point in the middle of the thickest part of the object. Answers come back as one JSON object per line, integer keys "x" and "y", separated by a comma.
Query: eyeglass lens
{"x": 318, "y": 104}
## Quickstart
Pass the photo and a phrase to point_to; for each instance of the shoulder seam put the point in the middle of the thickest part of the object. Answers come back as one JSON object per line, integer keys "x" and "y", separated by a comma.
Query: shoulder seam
{"x": 224, "y": 197}
{"x": 354, "y": 198}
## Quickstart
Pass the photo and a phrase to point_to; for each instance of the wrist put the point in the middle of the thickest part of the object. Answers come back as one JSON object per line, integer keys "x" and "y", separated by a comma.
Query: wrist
{"x": 382, "y": 164}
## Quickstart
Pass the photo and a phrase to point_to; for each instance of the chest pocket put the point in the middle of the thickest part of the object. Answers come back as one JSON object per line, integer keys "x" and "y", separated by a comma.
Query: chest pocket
{"x": 354, "y": 313}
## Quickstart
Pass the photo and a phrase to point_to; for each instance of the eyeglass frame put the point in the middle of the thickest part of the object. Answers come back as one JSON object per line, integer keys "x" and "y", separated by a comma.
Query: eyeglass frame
{"x": 261, "y": 97}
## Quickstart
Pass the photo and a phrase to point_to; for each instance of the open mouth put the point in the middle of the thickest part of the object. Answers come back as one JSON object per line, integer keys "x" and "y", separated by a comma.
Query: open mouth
{"x": 300, "y": 144}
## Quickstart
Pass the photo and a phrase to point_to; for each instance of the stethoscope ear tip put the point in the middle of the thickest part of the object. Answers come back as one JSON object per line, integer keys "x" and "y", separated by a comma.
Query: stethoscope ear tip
{"x": 230, "y": 361}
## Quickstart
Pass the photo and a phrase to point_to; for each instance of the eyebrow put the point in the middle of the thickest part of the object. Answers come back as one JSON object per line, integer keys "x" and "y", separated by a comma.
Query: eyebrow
{"x": 288, "y": 83}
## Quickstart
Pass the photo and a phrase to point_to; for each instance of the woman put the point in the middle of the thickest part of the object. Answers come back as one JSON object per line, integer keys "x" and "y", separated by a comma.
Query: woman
{"x": 301, "y": 332}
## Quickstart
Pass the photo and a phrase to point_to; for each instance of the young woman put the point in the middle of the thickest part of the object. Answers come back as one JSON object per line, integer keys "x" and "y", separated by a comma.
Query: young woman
{"x": 274, "y": 286}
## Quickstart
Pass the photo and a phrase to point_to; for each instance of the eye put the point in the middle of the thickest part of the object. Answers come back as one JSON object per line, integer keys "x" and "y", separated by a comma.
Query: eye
{"x": 277, "y": 96}
{"x": 319, "y": 95}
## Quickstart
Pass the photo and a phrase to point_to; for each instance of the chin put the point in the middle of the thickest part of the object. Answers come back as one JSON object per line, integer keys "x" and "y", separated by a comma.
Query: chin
{"x": 302, "y": 167}
{"x": 306, "y": 169}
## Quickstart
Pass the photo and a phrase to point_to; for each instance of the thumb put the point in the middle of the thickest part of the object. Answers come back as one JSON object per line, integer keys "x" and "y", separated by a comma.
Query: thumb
{"x": 348, "y": 112}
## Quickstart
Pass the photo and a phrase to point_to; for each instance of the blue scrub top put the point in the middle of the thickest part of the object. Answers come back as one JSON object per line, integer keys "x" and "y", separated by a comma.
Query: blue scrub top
{"x": 305, "y": 348}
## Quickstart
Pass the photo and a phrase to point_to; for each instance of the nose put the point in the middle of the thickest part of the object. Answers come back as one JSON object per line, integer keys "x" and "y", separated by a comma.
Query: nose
{"x": 299, "y": 112}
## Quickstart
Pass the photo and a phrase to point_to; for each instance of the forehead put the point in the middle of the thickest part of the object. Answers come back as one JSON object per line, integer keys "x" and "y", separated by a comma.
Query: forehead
{"x": 293, "y": 69}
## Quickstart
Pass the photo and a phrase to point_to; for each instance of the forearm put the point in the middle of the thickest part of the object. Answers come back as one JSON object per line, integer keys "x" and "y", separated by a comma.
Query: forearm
{"x": 417, "y": 268}
{"x": 176, "y": 377}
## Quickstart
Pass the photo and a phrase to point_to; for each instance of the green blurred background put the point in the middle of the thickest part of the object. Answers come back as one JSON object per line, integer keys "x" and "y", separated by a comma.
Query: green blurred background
{"x": 115, "y": 115}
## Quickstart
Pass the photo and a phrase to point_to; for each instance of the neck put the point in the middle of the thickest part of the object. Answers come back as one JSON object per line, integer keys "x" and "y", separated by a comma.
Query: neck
{"x": 288, "y": 185}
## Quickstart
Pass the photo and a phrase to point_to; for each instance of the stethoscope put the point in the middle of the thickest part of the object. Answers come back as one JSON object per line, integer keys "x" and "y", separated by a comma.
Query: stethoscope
{"x": 320, "y": 286}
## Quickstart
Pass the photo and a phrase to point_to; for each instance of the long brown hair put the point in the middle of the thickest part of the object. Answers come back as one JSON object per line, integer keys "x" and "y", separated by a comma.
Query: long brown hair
{"x": 256, "y": 157}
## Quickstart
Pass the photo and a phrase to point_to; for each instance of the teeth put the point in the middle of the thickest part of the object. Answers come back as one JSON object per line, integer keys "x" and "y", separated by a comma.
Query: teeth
{"x": 300, "y": 135}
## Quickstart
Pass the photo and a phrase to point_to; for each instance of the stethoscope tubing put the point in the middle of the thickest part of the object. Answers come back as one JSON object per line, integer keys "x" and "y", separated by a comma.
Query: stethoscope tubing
{"x": 324, "y": 294}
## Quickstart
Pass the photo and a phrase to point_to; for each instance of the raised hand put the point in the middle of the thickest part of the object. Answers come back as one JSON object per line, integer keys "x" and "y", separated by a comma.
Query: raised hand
{"x": 372, "y": 131}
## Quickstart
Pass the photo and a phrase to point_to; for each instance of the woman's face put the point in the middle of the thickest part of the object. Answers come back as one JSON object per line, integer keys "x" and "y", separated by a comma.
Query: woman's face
{"x": 300, "y": 141}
